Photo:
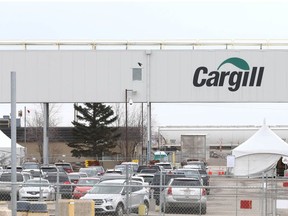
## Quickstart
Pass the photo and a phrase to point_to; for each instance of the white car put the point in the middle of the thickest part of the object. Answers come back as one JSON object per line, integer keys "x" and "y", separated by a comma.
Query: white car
{"x": 110, "y": 196}
{"x": 166, "y": 165}
{"x": 184, "y": 193}
{"x": 37, "y": 189}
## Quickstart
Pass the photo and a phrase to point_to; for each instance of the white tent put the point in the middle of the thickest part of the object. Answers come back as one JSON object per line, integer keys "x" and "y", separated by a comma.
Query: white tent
{"x": 259, "y": 154}
{"x": 5, "y": 150}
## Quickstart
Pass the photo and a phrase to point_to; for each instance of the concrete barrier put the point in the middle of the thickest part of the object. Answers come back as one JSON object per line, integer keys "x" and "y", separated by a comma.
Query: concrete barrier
{"x": 6, "y": 212}
{"x": 76, "y": 207}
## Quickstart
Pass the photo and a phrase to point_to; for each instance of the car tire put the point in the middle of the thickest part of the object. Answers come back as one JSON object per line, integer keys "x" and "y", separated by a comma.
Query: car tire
{"x": 119, "y": 210}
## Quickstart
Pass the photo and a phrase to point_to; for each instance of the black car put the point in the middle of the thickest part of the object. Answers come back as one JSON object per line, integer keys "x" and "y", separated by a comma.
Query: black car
{"x": 157, "y": 183}
{"x": 61, "y": 183}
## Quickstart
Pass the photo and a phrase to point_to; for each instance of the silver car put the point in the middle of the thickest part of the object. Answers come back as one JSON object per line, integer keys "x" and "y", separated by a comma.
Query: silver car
{"x": 185, "y": 193}
{"x": 37, "y": 189}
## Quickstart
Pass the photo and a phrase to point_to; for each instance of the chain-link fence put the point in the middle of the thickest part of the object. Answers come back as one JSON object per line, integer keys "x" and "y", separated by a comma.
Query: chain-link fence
{"x": 228, "y": 195}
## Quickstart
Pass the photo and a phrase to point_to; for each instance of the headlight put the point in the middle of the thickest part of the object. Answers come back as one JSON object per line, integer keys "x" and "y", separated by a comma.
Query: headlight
{"x": 108, "y": 200}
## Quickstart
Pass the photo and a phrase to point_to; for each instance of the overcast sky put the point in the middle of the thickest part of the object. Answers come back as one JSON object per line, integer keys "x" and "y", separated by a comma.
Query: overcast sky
{"x": 155, "y": 20}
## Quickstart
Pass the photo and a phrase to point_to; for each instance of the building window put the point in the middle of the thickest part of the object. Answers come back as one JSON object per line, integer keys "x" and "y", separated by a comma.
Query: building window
{"x": 137, "y": 74}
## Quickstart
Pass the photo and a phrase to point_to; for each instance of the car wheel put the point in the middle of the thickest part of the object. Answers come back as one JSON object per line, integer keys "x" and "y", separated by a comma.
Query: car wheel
{"x": 119, "y": 210}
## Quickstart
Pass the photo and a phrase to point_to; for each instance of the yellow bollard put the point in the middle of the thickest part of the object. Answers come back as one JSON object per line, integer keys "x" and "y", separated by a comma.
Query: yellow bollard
{"x": 71, "y": 207}
{"x": 142, "y": 210}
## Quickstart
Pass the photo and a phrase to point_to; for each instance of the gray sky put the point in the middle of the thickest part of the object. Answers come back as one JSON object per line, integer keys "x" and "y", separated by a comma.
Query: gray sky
{"x": 156, "y": 20}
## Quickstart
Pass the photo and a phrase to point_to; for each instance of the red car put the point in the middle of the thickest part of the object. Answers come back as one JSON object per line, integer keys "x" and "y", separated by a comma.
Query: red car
{"x": 84, "y": 185}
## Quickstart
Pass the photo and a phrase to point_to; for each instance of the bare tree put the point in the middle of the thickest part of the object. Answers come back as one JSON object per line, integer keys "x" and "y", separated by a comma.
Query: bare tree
{"x": 137, "y": 120}
{"x": 35, "y": 122}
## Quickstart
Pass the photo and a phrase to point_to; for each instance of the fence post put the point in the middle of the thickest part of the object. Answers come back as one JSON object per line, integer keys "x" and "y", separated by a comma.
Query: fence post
{"x": 236, "y": 195}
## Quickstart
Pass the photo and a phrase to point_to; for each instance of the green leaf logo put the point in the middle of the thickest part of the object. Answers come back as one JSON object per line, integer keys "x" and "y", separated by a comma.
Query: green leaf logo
{"x": 238, "y": 62}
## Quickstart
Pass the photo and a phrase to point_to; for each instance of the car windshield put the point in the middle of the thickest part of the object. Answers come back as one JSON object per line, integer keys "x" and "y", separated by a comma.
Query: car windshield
{"x": 202, "y": 172}
{"x": 49, "y": 169}
{"x": 7, "y": 177}
{"x": 106, "y": 189}
{"x": 88, "y": 181}
{"x": 148, "y": 171}
{"x": 165, "y": 166}
{"x": 36, "y": 183}
{"x": 178, "y": 182}
{"x": 89, "y": 172}
{"x": 188, "y": 172}
{"x": 148, "y": 178}
{"x": 31, "y": 166}
{"x": 53, "y": 178}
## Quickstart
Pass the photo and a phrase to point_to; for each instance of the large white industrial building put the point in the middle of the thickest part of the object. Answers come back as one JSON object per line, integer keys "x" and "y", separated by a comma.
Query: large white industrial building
{"x": 209, "y": 141}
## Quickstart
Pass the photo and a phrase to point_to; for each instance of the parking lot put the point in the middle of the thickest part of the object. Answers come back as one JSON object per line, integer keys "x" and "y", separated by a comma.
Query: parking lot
{"x": 228, "y": 196}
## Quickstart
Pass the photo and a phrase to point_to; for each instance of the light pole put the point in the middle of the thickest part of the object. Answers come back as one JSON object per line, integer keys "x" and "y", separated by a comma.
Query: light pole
{"x": 126, "y": 121}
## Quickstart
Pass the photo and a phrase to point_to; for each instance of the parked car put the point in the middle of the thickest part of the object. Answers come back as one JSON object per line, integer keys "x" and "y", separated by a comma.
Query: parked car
{"x": 185, "y": 193}
{"x": 64, "y": 186}
{"x": 201, "y": 163}
{"x": 110, "y": 196}
{"x": 74, "y": 177}
{"x": 134, "y": 166}
{"x": 156, "y": 167}
{"x": 206, "y": 179}
{"x": 66, "y": 166}
{"x": 93, "y": 171}
{"x": 84, "y": 185}
{"x": 166, "y": 165}
{"x": 51, "y": 168}
{"x": 201, "y": 174}
{"x": 148, "y": 177}
{"x": 37, "y": 189}
{"x": 151, "y": 171}
{"x": 124, "y": 168}
{"x": 192, "y": 166}
{"x": 18, "y": 169}
{"x": 33, "y": 168}
{"x": 114, "y": 171}
{"x": 159, "y": 183}
{"x": 6, "y": 187}
{"x": 30, "y": 165}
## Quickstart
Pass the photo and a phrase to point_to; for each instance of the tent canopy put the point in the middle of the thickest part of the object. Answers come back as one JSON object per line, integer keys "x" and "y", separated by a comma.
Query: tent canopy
{"x": 5, "y": 150}
{"x": 260, "y": 153}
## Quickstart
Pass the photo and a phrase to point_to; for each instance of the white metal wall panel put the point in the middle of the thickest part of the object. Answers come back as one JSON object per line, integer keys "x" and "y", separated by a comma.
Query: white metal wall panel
{"x": 103, "y": 75}
{"x": 174, "y": 70}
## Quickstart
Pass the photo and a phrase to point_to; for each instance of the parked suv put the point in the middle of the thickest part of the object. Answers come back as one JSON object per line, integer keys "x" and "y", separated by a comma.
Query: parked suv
{"x": 110, "y": 196}
{"x": 157, "y": 183}
{"x": 185, "y": 193}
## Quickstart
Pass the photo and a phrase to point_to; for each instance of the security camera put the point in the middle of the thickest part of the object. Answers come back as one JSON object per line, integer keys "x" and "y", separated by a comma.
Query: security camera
{"x": 130, "y": 101}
